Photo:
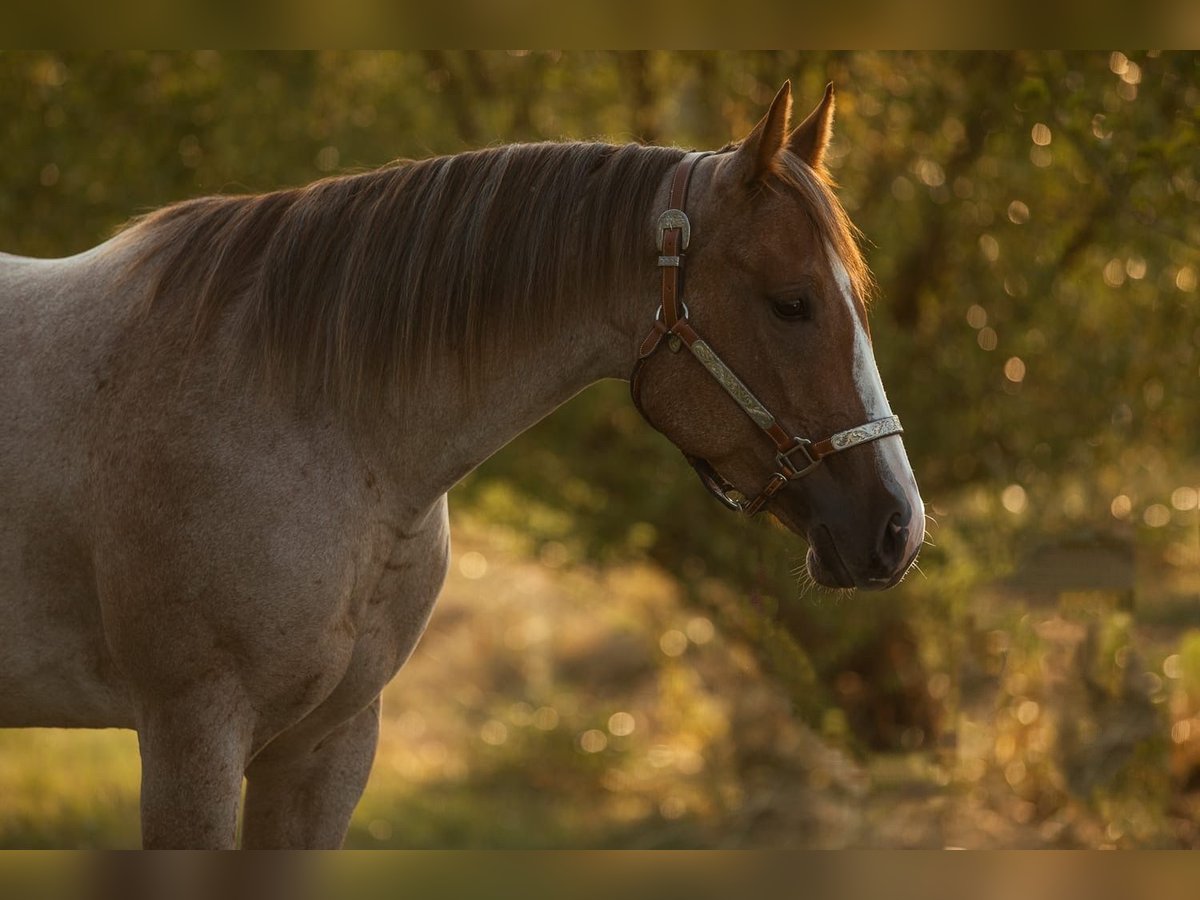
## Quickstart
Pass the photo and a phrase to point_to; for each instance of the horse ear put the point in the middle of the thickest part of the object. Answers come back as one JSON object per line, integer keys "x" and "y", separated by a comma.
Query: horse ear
{"x": 755, "y": 157}
{"x": 811, "y": 136}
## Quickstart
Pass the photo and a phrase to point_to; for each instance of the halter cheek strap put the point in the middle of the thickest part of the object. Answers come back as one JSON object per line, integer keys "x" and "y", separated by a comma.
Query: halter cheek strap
{"x": 795, "y": 456}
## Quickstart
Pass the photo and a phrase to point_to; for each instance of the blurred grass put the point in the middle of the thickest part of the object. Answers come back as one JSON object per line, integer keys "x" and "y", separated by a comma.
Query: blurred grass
{"x": 68, "y": 788}
{"x": 559, "y": 703}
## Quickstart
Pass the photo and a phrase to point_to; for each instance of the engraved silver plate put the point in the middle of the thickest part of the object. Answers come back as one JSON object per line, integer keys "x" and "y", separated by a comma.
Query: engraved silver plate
{"x": 675, "y": 218}
{"x": 863, "y": 434}
{"x": 733, "y": 385}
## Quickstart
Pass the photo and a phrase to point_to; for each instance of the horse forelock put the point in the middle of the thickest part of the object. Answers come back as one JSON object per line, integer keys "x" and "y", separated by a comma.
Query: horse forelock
{"x": 356, "y": 286}
{"x": 829, "y": 218}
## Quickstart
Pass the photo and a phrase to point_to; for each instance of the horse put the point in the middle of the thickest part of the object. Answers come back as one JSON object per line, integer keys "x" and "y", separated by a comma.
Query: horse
{"x": 230, "y": 429}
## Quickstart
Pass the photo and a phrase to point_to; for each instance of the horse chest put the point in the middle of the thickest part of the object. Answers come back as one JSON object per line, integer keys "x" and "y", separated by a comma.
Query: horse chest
{"x": 410, "y": 577}
{"x": 392, "y": 599}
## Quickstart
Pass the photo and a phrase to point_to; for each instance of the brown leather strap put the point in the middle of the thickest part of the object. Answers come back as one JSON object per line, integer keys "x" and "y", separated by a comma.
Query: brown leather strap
{"x": 821, "y": 449}
{"x": 673, "y": 246}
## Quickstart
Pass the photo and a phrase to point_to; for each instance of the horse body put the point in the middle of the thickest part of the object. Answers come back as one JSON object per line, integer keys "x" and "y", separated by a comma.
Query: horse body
{"x": 171, "y": 540}
{"x": 55, "y": 668}
{"x": 236, "y": 569}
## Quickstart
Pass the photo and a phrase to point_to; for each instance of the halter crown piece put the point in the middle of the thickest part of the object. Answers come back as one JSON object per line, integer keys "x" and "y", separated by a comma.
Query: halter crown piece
{"x": 795, "y": 456}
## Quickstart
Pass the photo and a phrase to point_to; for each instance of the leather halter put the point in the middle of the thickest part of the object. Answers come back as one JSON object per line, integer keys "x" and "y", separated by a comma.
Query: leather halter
{"x": 795, "y": 456}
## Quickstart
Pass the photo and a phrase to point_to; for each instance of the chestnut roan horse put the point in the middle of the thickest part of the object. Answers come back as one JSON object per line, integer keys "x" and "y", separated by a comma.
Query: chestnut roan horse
{"x": 228, "y": 432}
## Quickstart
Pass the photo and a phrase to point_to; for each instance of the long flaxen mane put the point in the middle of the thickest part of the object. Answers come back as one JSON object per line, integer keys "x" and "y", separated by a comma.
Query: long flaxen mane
{"x": 356, "y": 287}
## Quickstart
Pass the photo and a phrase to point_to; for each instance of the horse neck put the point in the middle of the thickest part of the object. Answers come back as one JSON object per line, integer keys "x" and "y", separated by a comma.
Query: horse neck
{"x": 446, "y": 427}
{"x": 457, "y": 427}
{"x": 449, "y": 428}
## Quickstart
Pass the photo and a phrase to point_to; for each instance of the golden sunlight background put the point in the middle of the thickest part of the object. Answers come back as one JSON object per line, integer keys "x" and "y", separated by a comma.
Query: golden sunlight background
{"x": 618, "y": 662}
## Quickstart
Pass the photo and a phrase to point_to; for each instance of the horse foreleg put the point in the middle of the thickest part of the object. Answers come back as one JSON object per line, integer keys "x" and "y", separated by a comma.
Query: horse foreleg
{"x": 302, "y": 792}
{"x": 193, "y": 755}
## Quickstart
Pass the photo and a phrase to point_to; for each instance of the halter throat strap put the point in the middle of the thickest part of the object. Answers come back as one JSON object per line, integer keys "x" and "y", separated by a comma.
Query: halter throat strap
{"x": 795, "y": 456}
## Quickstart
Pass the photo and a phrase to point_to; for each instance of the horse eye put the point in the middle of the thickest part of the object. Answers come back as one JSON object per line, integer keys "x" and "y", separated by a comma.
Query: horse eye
{"x": 791, "y": 309}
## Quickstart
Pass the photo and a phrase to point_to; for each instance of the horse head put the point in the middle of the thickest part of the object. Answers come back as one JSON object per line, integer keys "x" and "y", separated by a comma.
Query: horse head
{"x": 779, "y": 399}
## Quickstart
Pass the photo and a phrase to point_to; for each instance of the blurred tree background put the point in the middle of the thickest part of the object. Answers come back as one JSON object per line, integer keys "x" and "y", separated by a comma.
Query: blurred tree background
{"x": 1032, "y": 220}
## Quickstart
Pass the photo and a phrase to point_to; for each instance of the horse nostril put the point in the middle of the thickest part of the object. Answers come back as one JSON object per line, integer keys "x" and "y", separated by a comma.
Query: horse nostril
{"x": 895, "y": 538}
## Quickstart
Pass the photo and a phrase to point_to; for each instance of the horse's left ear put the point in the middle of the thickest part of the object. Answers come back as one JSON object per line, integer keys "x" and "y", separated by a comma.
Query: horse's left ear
{"x": 755, "y": 157}
{"x": 811, "y": 136}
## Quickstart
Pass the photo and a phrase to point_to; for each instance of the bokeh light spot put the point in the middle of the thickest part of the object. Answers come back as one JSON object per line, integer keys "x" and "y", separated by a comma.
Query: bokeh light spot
{"x": 1018, "y": 212}
{"x": 673, "y": 807}
{"x": 494, "y": 732}
{"x": 1014, "y": 499}
{"x": 989, "y": 247}
{"x": 328, "y": 158}
{"x": 1173, "y": 666}
{"x": 699, "y": 630}
{"x": 545, "y": 718}
{"x": 673, "y": 642}
{"x": 380, "y": 829}
{"x": 473, "y": 564}
{"x": 621, "y": 724}
{"x": 1185, "y": 497}
{"x": 1028, "y": 712}
{"x": 1156, "y": 515}
{"x": 1181, "y": 731}
{"x": 593, "y": 740}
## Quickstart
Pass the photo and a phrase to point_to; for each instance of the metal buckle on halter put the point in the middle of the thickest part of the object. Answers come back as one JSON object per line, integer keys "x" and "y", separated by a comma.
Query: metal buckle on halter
{"x": 674, "y": 218}
{"x": 789, "y": 468}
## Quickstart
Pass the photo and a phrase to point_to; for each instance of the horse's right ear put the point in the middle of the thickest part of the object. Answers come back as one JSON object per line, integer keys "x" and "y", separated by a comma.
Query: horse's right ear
{"x": 811, "y": 136}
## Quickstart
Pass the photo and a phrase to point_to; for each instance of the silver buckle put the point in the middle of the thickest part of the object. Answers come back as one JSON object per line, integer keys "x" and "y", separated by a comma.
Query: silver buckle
{"x": 786, "y": 464}
{"x": 674, "y": 218}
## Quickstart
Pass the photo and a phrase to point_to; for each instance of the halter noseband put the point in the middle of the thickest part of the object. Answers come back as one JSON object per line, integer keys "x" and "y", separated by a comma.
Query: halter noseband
{"x": 795, "y": 456}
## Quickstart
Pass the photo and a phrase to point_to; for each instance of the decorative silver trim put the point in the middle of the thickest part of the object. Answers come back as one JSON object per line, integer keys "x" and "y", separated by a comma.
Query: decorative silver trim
{"x": 674, "y": 218}
{"x": 864, "y": 434}
{"x": 732, "y": 385}
{"x": 672, "y": 261}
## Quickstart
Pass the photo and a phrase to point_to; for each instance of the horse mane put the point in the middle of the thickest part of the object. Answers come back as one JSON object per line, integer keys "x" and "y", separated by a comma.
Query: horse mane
{"x": 357, "y": 285}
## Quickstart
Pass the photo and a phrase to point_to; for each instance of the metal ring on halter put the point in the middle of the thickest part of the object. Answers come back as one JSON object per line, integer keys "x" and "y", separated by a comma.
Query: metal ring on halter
{"x": 658, "y": 316}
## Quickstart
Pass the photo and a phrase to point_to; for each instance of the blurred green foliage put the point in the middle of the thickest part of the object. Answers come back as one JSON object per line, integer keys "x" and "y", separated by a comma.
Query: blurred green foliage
{"x": 1032, "y": 220}
{"x": 1037, "y": 207}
